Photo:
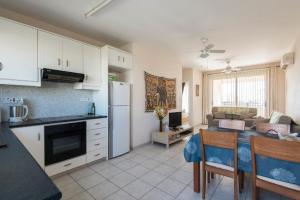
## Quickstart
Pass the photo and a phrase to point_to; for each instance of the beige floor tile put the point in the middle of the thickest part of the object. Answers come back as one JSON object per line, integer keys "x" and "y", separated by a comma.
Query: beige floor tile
{"x": 157, "y": 194}
{"x": 80, "y": 173}
{"x": 137, "y": 171}
{"x": 137, "y": 188}
{"x": 172, "y": 187}
{"x": 110, "y": 172}
{"x": 90, "y": 181}
{"x": 103, "y": 190}
{"x": 165, "y": 169}
{"x": 120, "y": 195}
{"x": 182, "y": 176}
{"x": 153, "y": 178}
{"x": 150, "y": 163}
{"x": 82, "y": 196}
{"x": 98, "y": 167}
{"x": 122, "y": 179}
{"x": 126, "y": 164}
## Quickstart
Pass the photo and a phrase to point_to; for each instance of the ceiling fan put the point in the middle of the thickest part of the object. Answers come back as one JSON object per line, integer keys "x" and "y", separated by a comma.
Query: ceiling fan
{"x": 229, "y": 69}
{"x": 208, "y": 49}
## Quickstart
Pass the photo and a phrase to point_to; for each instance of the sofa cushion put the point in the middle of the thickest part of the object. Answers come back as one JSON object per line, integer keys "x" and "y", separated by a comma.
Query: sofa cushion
{"x": 275, "y": 116}
{"x": 237, "y": 117}
{"x": 219, "y": 115}
{"x": 285, "y": 120}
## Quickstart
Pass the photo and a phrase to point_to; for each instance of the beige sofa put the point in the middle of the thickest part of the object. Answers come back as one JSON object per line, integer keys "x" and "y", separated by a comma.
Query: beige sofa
{"x": 237, "y": 113}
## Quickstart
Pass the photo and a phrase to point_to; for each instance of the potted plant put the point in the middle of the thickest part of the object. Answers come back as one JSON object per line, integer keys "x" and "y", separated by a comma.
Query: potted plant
{"x": 161, "y": 113}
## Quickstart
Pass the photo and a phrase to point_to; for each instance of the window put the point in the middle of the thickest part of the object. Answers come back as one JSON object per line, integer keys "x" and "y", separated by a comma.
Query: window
{"x": 241, "y": 90}
{"x": 185, "y": 98}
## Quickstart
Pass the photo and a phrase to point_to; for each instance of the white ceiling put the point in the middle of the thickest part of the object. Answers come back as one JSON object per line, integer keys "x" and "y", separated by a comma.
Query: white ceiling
{"x": 252, "y": 31}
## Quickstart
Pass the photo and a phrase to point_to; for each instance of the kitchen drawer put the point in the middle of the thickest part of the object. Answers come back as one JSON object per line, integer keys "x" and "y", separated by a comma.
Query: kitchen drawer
{"x": 96, "y": 144}
{"x": 96, "y": 134}
{"x": 65, "y": 165}
{"x": 95, "y": 155}
{"x": 96, "y": 124}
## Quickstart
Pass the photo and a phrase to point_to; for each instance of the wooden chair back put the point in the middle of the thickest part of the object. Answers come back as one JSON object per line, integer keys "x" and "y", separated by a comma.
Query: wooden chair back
{"x": 232, "y": 124}
{"x": 280, "y": 128}
{"x": 276, "y": 149}
{"x": 226, "y": 140}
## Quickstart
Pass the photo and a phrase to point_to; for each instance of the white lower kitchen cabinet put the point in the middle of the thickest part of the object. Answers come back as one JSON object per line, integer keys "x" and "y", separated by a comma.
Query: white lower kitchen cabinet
{"x": 32, "y": 138}
{"x": 65, "y": 165}
{"x": 18, "y": 54}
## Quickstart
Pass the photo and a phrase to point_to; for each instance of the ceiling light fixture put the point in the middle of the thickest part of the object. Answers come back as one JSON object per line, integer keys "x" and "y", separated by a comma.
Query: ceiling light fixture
{"x": 98, "y": 7}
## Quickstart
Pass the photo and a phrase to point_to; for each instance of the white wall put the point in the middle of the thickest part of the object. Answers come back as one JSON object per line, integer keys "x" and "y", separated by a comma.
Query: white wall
{"x": 157, "y": 61}
{"x": 194, "y": 77}
{"x": 293, "y": 86}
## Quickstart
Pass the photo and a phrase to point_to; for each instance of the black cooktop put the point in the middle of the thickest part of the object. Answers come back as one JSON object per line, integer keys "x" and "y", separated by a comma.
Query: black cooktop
{"x": 50, "y": 120}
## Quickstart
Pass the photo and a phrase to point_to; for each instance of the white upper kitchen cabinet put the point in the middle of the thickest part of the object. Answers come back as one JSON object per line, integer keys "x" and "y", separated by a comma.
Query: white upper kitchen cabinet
{"x": 18, "y": 54}
{"x": 32, "y": 137}
{"x": 72, "y": 56}
{"x": 60, "y": 53}
{"x": 49, "y": 50}
{"x": 120, "y": 59}
{"x": 91, "y": 68}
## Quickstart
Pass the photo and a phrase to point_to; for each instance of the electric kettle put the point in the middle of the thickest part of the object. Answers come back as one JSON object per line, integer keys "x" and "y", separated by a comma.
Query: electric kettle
{"x": 18, "y": 113}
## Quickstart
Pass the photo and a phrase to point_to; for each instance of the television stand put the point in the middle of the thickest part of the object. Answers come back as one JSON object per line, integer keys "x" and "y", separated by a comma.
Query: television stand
{"x": 172, "y": 136}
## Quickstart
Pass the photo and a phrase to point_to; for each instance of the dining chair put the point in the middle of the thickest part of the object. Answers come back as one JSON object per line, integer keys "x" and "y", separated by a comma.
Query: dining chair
{"x": 275, "y": 165}
{"x": 224, "y": 141}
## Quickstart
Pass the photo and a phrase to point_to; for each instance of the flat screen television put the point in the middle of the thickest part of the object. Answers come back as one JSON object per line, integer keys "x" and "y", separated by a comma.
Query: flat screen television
{"x": 175, "y": 119}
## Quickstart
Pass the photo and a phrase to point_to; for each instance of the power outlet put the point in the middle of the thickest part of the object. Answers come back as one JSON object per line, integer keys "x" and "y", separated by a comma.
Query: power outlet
{"x": 13, "y": 100}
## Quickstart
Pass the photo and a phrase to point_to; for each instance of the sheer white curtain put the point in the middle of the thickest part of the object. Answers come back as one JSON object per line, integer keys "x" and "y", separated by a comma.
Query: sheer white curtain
{"x": 249, "y": 88}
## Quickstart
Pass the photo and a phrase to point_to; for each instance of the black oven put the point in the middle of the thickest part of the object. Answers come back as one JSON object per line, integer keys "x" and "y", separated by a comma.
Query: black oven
{"x": 64, "y": 141}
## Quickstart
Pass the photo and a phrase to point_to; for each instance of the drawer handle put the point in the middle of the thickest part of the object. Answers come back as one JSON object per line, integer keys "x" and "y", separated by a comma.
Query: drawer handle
{"x": 98, "y": 123}
{"x": 66, "y": 165}
{"x": 97, "y": 144}
{"x": 98, "y": 154}
{"x": 97, "y": 133}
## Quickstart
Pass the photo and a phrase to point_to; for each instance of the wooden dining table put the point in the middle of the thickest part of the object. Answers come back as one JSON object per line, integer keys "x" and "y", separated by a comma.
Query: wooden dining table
{"x": 192, "y": 153}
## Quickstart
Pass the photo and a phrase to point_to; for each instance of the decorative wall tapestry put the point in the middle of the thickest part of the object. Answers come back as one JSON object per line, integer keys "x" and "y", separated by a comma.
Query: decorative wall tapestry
{"x": 160, "y": 91}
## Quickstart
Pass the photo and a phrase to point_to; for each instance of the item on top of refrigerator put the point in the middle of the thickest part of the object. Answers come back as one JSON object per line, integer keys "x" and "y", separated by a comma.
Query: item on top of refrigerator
{"x": 112, "y": 77}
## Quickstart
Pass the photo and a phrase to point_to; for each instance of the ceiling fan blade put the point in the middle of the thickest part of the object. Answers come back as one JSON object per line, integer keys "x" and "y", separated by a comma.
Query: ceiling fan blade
{"x": 209, "y": 46}
{"x": 204, "y": 55}
{"x": 217, "y": 51}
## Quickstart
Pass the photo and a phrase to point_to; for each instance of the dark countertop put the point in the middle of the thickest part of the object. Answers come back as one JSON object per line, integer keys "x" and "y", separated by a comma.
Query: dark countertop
{"x": 51, "y": 120}
{"x": 20, "y": 175}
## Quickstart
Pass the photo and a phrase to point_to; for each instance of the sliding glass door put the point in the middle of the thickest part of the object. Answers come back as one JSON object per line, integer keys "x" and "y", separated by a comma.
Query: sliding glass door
{"x": 241, "y": 89}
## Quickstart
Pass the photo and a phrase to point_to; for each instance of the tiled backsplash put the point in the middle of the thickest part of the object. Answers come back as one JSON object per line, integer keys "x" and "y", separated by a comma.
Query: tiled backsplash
{"x": 50, "y": 100}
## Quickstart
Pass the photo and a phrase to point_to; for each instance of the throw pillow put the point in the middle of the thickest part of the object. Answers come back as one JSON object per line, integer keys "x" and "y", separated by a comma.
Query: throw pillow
{"x": 236, "y": 116}
{"x": 219, "y": 115}
{"x": 275, "y": 116}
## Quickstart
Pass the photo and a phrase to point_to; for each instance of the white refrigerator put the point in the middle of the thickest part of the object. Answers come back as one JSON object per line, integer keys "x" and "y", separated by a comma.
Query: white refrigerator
{"x": 119, "y": 119}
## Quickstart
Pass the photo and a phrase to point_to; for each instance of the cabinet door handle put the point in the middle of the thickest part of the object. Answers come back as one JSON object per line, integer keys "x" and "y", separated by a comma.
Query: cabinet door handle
{"x": 1, "y": 66}
{"x": 98, "y": 154}
{"x": 86, "y": 77}
{"x": 66, "y": 165}
{"x": 123, "y": 59}
{"x": 97, "y": 134}
{"x": 39, "y": 137}
{"x": 98, "y": 123}
{"x": 58, "y": 61}
{"x": 67, "y": 63}
{"x": 98, "y": 144}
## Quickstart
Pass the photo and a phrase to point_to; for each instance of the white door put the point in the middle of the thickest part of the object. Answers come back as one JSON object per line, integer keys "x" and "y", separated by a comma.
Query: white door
{"x": 92, "y": 65}
{"x": 32, "y": 138}
{"x": 18, "y": 52}
{"x": 72, "y": 56}
{"x": 49, "y": 51}
{"x": 120, "y": 93}
{"x": 114, "y": 57}
{"x": 121, "y": 130}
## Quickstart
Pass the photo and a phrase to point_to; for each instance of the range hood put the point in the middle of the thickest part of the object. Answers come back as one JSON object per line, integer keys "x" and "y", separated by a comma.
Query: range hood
{"x": 61, "y": 76}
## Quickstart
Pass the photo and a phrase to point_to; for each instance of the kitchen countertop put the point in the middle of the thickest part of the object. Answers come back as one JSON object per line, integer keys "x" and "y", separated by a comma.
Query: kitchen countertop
{"x": 52, "y": 120}
{"x": 20, "y": 175}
